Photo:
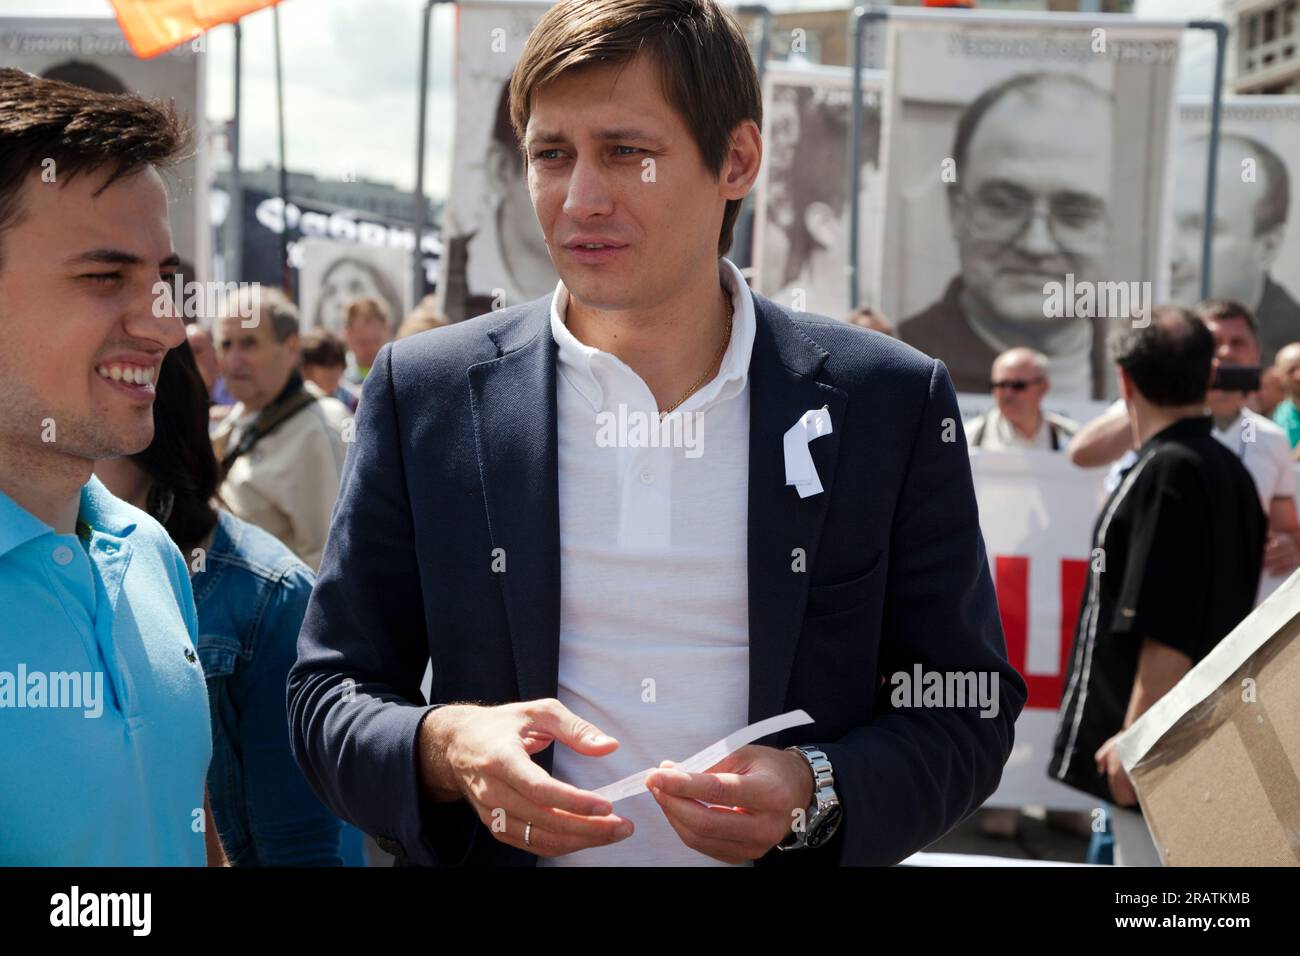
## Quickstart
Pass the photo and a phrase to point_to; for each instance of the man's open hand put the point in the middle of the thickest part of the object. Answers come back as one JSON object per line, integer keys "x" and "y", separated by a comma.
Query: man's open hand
{"x": 484, "y": 755}
{"x": 755, "y": 793}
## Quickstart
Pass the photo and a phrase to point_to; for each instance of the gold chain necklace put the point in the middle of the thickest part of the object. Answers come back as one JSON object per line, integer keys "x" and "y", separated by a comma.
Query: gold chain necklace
{"x": 726, "y": 338}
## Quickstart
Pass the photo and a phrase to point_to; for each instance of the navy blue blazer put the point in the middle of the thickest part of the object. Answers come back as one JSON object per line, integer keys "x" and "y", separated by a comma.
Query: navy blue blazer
{"x": 455, "y": 456}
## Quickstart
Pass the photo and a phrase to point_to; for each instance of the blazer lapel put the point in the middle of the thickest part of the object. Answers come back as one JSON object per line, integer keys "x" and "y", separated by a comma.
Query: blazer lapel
{"x": 783, "y": 385}
{"x": 514, "y": 411}
{"x": 513, "y": 400}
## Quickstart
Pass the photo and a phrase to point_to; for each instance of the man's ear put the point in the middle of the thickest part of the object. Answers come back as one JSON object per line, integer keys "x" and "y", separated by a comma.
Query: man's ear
{"x": 1268, "y": 244}
{"x": 1126, "y": 389}
{"x": 742, "y": 162}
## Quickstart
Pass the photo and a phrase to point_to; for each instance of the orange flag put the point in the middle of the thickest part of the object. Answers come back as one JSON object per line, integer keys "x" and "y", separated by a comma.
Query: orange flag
{"x": 153, "y": 26}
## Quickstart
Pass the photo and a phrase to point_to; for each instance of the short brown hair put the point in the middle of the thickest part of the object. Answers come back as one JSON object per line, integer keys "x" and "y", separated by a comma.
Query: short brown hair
{"x": 705, "y": 68}
{"x": 80, "y": 130}
{"x": 422, "y": 318}
{"x": 323, "y": 349}
{"x": 1224, "y": 310}
{"x": 376, "y": 307}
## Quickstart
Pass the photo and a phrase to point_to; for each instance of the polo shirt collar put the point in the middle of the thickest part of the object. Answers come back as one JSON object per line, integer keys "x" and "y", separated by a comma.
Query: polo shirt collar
{"x": 18, "y": 525}
{"x": 98, "y": 508}
{"x": 583, "y": 364}
{"x": 1183, "y": 428}
{"x": 103, "y": 512}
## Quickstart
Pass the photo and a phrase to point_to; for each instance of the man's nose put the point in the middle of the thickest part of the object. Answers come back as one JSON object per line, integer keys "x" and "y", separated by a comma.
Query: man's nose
{"x": 1037, "y": 238}
{"x": 155, "y": 318}
{"x": 588, "y": 193}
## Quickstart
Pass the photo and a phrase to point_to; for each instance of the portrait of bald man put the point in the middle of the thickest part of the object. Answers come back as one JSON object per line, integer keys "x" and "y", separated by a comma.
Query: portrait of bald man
{"x": 1250, "y": 220}
{"x": 1030, "y": 204}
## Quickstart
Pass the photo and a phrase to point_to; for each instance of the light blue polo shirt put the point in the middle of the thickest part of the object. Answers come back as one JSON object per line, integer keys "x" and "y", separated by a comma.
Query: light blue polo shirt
{"x": 104, "y": 731}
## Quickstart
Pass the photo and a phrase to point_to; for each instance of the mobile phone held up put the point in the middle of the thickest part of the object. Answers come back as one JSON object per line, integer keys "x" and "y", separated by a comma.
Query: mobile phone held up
{"x": 1236, "y": 378}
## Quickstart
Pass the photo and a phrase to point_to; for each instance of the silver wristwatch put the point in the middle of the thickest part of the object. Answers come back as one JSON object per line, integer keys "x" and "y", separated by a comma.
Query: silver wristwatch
{"x": 824, "y": 813}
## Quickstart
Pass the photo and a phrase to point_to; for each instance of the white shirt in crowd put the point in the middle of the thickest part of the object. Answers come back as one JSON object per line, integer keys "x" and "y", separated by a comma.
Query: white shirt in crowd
{"x": 654, "y": 595}
{"x": 1265, "y": 452}
{"x": 995, "y": 432}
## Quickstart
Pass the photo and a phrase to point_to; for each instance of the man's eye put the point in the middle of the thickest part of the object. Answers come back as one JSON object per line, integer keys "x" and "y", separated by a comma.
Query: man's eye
{"x": 103, "y": 278}
{"x": 545, "y": 154}
{"x": 1078, "y": 214}
{"x": 631, "y": 149}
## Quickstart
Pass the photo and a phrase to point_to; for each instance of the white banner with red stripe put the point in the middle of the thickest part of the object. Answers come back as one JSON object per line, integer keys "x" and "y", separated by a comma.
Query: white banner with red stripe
{"x": 1037, "y": 513}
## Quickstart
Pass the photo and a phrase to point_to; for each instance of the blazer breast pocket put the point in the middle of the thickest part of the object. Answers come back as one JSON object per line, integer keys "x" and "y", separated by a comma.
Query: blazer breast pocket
{"x": 848, "y": 594}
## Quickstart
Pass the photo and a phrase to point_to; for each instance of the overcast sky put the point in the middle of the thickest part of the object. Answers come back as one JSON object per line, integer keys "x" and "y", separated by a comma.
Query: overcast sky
{"x": 350, "y": 88}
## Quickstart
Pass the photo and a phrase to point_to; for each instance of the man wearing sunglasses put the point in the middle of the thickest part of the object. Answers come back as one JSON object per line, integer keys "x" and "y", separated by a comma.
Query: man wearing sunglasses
{"x": 1029, "y": 206}
{"x": 1017, "y": 420}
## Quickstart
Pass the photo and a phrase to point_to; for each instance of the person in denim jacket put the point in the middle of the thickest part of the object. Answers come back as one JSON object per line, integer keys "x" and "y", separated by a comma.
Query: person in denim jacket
{"x": 251, "y": 593}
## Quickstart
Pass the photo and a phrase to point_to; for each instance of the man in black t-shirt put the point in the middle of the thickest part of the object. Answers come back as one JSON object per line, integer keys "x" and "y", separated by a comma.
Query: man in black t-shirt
{"x": 1176, "y": 560}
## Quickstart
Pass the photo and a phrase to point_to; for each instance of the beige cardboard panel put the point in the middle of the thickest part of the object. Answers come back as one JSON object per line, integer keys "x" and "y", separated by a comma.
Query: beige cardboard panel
{"x": 1220, "y": 787}
{"x": 1206, "y": 810}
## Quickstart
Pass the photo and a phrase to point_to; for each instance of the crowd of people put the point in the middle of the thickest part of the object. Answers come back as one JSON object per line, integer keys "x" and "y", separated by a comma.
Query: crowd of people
{"x": 1180, "y": 548}
{"x": 188, "y": 513}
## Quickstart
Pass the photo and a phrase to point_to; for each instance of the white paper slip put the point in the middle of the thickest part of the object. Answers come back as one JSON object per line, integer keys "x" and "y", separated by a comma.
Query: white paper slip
{"x": 706, "y": 758}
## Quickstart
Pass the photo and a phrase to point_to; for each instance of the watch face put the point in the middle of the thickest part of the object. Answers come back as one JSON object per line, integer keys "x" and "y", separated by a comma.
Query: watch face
{"x": 826, "y": 826}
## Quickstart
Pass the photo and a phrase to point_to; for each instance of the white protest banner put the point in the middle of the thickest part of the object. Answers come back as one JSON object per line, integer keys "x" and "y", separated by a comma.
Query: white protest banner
{"x": 1026, "y": 189}
{"x": 801, "y": 232}
{"x": 1037, "y": 513}
{"x": 1256, "y": 249}
{"x": 495, "y": 255}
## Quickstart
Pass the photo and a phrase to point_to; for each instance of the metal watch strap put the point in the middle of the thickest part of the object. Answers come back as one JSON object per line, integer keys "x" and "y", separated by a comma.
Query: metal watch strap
{"x": 823, "y": 779}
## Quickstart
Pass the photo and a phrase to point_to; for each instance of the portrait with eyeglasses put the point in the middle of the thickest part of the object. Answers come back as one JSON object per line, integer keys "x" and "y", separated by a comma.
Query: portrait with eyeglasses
{"x": 1255, "y": 257}
{"x": 1043, "y": 176}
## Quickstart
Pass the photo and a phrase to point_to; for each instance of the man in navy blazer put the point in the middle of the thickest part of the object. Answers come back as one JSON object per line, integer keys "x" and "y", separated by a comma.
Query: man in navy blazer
{"x": 563, "y": 586}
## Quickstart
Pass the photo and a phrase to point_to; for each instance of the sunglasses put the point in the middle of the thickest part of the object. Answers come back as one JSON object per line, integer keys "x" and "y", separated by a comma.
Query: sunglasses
{"x": 1016, "y": 385}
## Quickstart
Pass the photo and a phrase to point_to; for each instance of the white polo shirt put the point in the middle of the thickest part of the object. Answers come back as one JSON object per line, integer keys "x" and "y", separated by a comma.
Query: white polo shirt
{"x": 654, "y": 595}
{"x": 1265, "y": 452}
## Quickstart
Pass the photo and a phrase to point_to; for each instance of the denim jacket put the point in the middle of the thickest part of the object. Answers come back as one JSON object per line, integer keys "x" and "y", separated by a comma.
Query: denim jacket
{"x": 251, "y": 594}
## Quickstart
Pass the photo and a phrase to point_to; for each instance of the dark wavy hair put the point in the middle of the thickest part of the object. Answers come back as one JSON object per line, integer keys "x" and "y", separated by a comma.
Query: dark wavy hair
{"x": 180, "y": 462}
{"x": 80, "y": 130}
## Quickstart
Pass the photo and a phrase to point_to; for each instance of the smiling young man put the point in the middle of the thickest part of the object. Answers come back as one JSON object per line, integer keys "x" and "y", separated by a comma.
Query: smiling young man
{"x": 594, "y": 609}
{"x": 106, "y": 738}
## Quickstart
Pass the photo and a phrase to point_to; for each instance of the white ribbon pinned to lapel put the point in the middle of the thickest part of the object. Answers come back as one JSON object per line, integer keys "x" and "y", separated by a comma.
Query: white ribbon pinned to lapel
{"x": 698, "y": 763}
{"x": 799, "y": 468}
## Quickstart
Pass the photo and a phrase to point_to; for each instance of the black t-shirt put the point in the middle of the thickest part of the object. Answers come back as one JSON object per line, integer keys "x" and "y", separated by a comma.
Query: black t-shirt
{"x": 1181, "y": 543}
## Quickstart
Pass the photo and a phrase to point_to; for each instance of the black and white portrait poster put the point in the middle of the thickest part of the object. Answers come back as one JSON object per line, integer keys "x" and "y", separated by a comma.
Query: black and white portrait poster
{"x": 495, "y": 253}
{"x": 333, "y": 274}
{"x": 1028, "y": 188}
{"x": 802, "y": 230}
{"x": 92, "y": 52}
{"x": 1255, "y": 252}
